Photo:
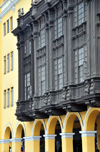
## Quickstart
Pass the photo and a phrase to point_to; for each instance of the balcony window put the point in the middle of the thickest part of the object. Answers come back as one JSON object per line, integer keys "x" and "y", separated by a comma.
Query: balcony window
{"x": 58, "y": 27}
{"x": 80, "y": 64}
{"x": 27, "y": 47}
{"x": 80, "y": 13}
{"x": 41, "y": 39}
{"x": 58, "y": 73}
{"x": 28, "y": 90}
{"x": 41, "y": 77}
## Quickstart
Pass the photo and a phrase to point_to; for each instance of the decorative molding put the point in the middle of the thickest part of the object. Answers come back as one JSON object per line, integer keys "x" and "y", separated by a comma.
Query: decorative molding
{"x": 7, "y": 6}
{"x": 88, "y": 133}
{"x": 16, "y": 139}
{"x": 50, "y": 136}
{"x": 4, "y": 141}
{"x": 67, "y": 135}
{"x": 32, "y": 138}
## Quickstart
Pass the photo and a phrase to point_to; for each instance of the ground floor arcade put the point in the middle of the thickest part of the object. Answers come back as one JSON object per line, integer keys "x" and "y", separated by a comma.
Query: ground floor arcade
{"x": 73, "y": 132}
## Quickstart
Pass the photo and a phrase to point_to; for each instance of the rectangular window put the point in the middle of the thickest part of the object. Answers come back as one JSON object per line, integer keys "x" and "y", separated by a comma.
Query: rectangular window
{"x": 80, "y": 64}
{"x": 12, "y": 96}
{"x": 41, "y": 77}
{"x": 4, "y": 29}
{"x": 5, "y": 99}
{"x": 80, "y": 13}
{"x": 58, "y": 73}
{"x": 4, "y": 64}
{"x": 58, "y": 27}
{"x": 12, "y": 60}
{"x": 7, "y": 26}
{"x": 27, "y": 86}
{"x": 27, "y": 47}
{"x": 8, "y": 97}
{"x": 43, "y": 38}
{"x": 11, "y": 23}
{"x": 8, "y": 57}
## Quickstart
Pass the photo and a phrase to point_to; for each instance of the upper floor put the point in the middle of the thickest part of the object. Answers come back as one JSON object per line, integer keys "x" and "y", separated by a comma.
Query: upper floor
{"x": 58, "y": 47}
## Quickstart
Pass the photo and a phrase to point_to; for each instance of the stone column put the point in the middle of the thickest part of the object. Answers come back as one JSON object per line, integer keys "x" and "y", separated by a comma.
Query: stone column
{"x": 49, "y": 143}
{"x": 67, "y": 142}
{"x": 32, "y": 144}
{"x": 88, "y": 141}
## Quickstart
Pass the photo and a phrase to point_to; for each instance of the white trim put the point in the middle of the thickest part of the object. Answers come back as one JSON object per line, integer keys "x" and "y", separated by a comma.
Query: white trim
{"x": 50, "y": 136}
{"x": 17, "y": 124}
{"x": 58, "y": 120}
{"x": 67, "y": 135}
{"x": 86, "y": 117}
{"x": 87, "y": 133}
{"x": 32, "y": 138}
{"x": 4, "y": 141}
{"x": 16, "y": 139}
{"x": 76, "y": 116}
{"x": 7, "y": 125}
{"x": 34, "y": 125}
{"x": 7, "y": 6}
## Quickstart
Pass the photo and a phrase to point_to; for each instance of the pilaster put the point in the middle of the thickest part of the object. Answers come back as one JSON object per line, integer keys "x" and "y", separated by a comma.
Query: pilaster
{"x": 67, "y": 142}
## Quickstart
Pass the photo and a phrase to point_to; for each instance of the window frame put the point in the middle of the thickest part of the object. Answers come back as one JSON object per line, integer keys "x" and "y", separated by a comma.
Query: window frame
{"x": 76, "y": 23}
{"x": 8, "y": 98}
{"x": 27, "y": 86}
{"x": 57, "y": 74}
{"x": 56, "y": 28}
{"x": 12, "y": 96}
{"x": 8, "y": 63}
{"x": 12, "y": 61}
{"x": 5, "y": 98}
{"x": 5, "y": 62}
{"x": 11, "y": 23}
{"x": 8, "y": 26}
{"x": 4, "y": 28}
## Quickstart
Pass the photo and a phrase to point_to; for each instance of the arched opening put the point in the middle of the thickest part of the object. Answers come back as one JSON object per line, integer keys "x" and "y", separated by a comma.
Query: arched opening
{"x": 77, "y": 141}
{"x": 42, "y": 141}
{"x": 39, "y": 130}
{"x": 8, "y": 137}
{"x": 58, "y": 143}
{"x": 92, "y": 123}
{"x": 55, "y": 127}
{"x": 20, "y": 133}
{"x": 73, "y": 124}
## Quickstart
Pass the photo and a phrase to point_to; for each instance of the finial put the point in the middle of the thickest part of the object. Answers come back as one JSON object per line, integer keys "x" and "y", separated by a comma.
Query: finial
{"x": 32, "y": 2}
{"x": 22, "y": 12}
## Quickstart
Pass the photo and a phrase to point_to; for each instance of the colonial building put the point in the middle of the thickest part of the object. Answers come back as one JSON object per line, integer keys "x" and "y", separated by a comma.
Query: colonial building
{"x": 58, "y": 102}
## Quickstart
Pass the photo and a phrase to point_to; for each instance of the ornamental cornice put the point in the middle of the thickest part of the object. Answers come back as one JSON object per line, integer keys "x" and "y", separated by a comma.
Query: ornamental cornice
{"x": 7, "y": 6}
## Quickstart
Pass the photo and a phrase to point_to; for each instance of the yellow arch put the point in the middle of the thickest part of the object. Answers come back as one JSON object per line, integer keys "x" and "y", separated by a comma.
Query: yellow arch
{"x": 69, "y": 121}
{"x": 91, "y": 115}
{"x": 18, "y": 129}
{"x": 7, "y": 132}
{"x": 37, "y": 126}
{"x": 52, "y": 123}
{"x": 8, "y": 125}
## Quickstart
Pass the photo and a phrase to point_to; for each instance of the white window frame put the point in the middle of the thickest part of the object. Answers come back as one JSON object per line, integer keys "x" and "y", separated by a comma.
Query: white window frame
{"x": 80, "y": 17}
{"x": 58, "y": 73}
{"x": 80, "y": 64}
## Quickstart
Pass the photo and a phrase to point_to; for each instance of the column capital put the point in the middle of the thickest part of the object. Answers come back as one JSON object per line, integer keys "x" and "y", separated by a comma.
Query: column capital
{"x": 87, "y": 133}
{"x": 15, "y": 140}
{"x": 67, "y": 135}
{"x": 32, "y": 138}
{"x": 50, "y": 136}
{"x": 4, "y": 141}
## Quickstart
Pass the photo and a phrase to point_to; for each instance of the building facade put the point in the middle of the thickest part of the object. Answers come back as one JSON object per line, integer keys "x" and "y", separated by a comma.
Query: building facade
{"x": 52, "y": 75}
